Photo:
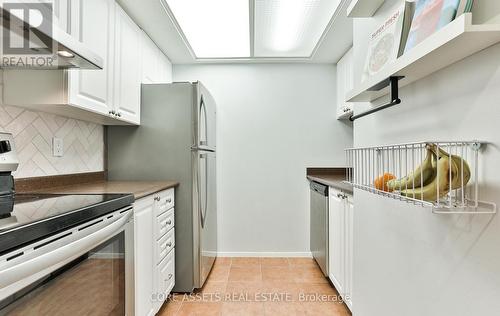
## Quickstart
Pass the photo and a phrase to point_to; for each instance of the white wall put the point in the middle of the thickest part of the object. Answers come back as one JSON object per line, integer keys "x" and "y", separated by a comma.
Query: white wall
{"x": 273, "y": 122}
{"x": 409, "y": 261}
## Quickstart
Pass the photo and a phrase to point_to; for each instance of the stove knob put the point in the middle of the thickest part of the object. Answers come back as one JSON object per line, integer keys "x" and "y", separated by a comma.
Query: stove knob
{"x": 5, "y": 146}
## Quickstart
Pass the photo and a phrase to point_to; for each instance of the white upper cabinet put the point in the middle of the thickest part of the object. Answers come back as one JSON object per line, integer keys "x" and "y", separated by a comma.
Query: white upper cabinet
{"x": 111, "y": 96}
{"x": 150, "y": 60}
{"x": 345, "y": 83}
{"x": 156, "y": 68}
{"x": 165, "y": 68}
{"x": 93, "y": 89}
{"x": 128, "y": 67}
{"x": 62, "y": 14}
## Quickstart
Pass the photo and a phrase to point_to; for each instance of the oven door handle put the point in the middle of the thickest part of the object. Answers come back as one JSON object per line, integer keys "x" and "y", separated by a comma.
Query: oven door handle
{"x": 60, "y": 256}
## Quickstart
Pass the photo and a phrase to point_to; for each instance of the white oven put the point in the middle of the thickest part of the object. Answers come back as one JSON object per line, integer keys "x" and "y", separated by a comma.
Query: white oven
{"x": 85, "y": 270}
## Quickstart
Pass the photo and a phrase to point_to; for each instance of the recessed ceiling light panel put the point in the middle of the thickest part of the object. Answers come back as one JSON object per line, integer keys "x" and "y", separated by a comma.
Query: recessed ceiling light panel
{"x": 214, "y": 28}
{"x": 290, "y": 28}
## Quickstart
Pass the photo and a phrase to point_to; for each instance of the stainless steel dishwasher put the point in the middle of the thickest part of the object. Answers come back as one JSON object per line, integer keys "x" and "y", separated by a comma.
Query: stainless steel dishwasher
{"x": 319, "y": 224}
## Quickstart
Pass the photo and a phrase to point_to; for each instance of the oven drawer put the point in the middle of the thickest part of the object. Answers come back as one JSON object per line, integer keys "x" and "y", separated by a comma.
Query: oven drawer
{"x": 164, "y": 201}
{"x": 164, "y": 223}
{"x": 166, "y": 274}
{"x": 165, "y": 245}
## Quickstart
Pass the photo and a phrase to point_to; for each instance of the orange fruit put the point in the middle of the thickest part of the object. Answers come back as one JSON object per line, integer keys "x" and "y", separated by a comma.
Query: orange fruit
{"x": 381, "y": 182}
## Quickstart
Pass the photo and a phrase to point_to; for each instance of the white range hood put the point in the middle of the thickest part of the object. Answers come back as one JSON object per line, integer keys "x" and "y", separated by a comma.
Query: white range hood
{"x": 67, "y": 51}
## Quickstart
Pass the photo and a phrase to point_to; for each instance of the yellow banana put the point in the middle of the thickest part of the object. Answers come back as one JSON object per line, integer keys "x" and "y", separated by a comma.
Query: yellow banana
{"x": 422, "y": 175}
{"x": 441, "y": 183}
{"x": 457, "y": 170}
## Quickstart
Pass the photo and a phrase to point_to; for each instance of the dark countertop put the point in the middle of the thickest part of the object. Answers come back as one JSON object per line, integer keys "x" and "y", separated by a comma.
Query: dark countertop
{"x": 333, "y": 181}
{"x": 332, "y": 177}
{"x": 139, "y": 189}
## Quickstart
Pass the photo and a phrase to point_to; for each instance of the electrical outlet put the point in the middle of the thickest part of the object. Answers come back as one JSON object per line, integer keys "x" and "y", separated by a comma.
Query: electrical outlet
{"x": 57, "y": 147}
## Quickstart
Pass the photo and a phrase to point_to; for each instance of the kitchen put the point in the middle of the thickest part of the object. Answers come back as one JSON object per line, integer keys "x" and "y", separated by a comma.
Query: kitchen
{"x": 268, "y": 168}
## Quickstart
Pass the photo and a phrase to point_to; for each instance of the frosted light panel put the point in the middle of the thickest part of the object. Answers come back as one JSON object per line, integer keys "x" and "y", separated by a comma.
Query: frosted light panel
{"x": 214, "y": 28}
{"x": 290, "y": 28}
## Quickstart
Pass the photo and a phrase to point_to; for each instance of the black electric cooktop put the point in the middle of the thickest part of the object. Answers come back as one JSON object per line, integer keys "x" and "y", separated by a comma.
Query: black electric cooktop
{"x": 25, "y": 218}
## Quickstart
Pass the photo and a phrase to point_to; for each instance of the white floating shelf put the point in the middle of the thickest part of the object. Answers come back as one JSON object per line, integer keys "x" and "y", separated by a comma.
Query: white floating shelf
{"x": 454, "y": 42}
{"x": 345, "y": 115}
{"x": 363, "y": 8}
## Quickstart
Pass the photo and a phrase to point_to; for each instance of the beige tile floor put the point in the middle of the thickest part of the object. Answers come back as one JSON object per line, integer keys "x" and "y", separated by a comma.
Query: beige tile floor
{"x": 261, "y": 286}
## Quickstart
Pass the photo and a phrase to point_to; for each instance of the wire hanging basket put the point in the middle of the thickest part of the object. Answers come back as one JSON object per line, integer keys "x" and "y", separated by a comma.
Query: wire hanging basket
{"x": 436, "y": 174}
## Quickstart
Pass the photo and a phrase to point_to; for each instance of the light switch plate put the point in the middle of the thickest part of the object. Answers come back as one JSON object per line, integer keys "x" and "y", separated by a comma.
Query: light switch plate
{"x": 57, "y": 147}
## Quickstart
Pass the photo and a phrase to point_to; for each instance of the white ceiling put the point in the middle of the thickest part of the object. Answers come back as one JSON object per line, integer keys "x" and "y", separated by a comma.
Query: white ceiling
{"x": 152, "y": 18}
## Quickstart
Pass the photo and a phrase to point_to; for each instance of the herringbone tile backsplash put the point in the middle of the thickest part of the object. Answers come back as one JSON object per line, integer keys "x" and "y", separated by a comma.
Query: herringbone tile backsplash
{"x": 33, "y": 133}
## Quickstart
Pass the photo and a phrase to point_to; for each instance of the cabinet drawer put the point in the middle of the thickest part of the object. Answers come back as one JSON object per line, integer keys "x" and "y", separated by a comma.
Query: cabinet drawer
{"x": 164, "y": 201}
{"x": 166, "y": 274}
{"x": 164, "y": 223}
{"x": 165, "y": 244}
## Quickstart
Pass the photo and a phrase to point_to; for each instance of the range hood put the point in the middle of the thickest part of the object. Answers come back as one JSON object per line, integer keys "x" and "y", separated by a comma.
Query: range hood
{"x": 67, "y": 51}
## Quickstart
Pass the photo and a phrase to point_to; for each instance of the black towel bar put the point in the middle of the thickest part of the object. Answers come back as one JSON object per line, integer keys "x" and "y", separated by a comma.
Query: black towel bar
{"x": 395, "y": 100}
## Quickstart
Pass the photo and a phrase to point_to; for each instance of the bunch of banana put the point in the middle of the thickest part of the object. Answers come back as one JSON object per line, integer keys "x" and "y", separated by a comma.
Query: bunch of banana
{"x": 461, "y": 166}
{"x": 435, "y": 173}
{"x": 423, "y": 175}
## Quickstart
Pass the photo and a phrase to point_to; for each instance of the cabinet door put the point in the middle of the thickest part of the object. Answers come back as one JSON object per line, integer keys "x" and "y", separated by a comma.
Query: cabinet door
{"x": 144, "y": 256}
{"x": 150, "y": 61}
{"x": 336, "y": 239}
{"x": 349, "y": 243}
{"x": 341, "y": 70}
{"x": 92, "y": 89}
{"x": 128, "y": 68}
{"x": 165, "y": 68}
{"x": 62, "y": 14}
{"x": 344, "y": 82}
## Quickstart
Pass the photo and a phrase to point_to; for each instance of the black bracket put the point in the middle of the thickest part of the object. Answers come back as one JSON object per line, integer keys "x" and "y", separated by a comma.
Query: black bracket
{"x": 395, "y": 100}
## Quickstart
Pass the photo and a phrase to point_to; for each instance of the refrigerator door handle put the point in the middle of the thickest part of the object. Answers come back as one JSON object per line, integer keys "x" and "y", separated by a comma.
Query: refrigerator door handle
{"x": 203, "y": 204}
{"x": 203, "y": 113}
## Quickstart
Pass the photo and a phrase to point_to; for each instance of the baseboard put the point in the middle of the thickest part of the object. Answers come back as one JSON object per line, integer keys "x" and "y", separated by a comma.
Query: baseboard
{"x": 266, "y": 254}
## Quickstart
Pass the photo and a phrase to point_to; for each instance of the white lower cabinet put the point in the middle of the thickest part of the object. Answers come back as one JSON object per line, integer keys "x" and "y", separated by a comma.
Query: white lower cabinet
{"x": 341, "y": 243}
{"x": 154, "y": 253}
{"x": 144, "y": 256}
{"x": 349, "y": 250}
{"x": 336, "y": 238}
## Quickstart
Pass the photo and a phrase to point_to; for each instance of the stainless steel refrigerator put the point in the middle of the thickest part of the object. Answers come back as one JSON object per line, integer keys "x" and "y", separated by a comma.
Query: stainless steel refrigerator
{"x": 176, "y": 141}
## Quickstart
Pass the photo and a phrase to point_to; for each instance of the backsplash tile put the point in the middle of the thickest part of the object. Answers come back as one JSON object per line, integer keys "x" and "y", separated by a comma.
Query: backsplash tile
{"x": 33, "y": 133}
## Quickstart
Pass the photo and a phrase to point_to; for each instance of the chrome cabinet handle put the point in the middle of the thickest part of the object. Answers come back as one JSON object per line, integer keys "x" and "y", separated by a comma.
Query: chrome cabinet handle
{"x": 170, "y": 276}
{"x": 169, "y": 244}
{"x": 169, "y": 200}
{"x": 342, "y": 196}
{"x": 169, "y": 222}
